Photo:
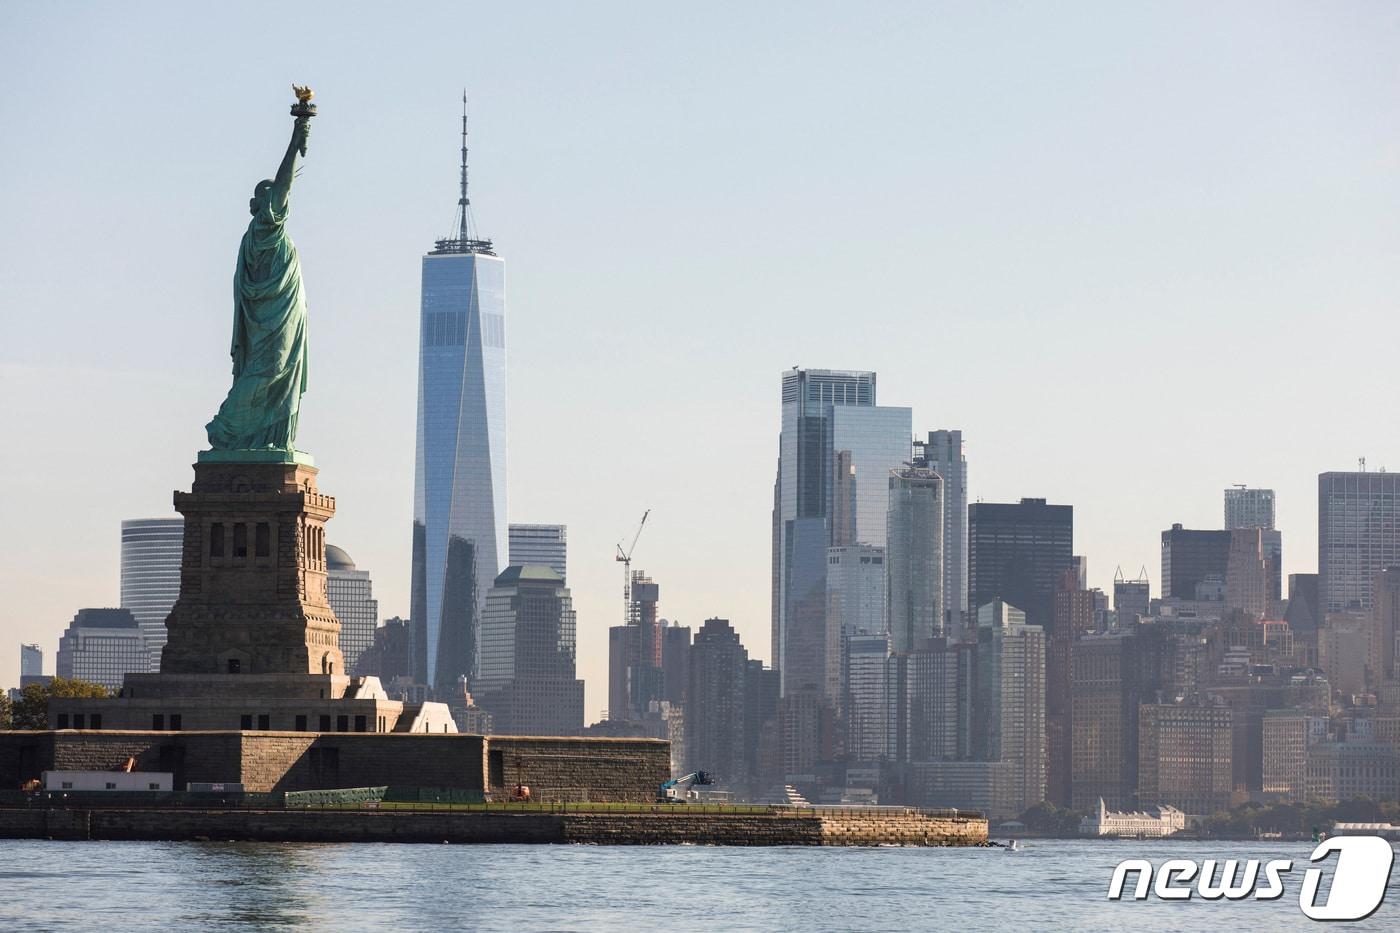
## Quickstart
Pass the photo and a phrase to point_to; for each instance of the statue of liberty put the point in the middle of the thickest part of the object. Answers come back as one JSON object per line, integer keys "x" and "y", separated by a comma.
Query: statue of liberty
{"x": 269, "y": 318}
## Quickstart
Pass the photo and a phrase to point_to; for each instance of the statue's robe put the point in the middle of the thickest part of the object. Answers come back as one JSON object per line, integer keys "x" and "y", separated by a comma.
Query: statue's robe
{"x": 269, "y": 337}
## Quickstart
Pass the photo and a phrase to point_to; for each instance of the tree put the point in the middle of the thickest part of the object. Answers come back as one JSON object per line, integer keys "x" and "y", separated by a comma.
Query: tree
{"x": 6, "y": 709}
{"x": 1047, "y": 818}
{"x": 32, "y": 709}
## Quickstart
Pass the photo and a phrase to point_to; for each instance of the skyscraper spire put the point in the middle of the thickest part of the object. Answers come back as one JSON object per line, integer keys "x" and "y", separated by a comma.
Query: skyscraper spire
{"x": 465, "y": 241}
{"x": 463, "y": 203}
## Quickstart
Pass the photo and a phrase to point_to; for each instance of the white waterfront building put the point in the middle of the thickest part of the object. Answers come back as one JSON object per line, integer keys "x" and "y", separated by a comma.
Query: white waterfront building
{"x": 1156, "y": 822}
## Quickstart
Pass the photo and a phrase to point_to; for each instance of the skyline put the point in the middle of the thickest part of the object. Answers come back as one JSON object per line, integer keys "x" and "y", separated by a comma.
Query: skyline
{"x": 1246, "y": 243}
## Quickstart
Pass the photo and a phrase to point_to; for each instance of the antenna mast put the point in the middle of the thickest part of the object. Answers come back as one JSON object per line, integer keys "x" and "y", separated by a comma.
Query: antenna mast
{"x": 463, "y": 203}
{"x": 465, "y": 241}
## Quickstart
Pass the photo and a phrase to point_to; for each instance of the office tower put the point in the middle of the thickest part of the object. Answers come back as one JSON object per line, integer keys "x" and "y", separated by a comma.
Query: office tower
{"x": 1387, "y": 611}
{"x": 835, "y": 453}
{"x": 1190, "y": 557}
{"x": 1019, "y": 553}
{"x": 1249, "y": 508}
{"x": 715, "y": 714}
{"x": 943, "y": 453}
{"x": 1108, "y": 684}
{"x": 1246, "y": 573}
{"x": 102, "y": 646}
{"x": 855, "y": 603}
{"x": 914, "y": 558}
{"x": 1132, "y": 600}
{"x": 151, "y": 549}
{"x": 1288, "y": 734}
{"x": 459, "y": 492}
{"x": 932, "y": 698}
{"x": 1358, "y": 535}
{"x": 1304, "y": 614}
{"x": 540, "y": 544}
{"x": 351, "y": 595}
{"x": 1352, "y": 769}
{"x": 762, "y": 738}
{"x": 1185, "y": 755}
{"x": 1074, "y": 617}
{"x": 1349, "y": 650}
{"x": 390, "y": 655}
{"x": 1254, "y": 508}
{"x": 1009, "y": 719}
{"x": 855, "y": 589}
{"x": 528, "y": 639}
{"x": 635, "y": 653}
{"x": 31, "y": 665}
{"x": 807, "y": 724}
{"x": 1079, "y": 564}
{"x": 675, "y": 662}
{"x": 866, "y": 705}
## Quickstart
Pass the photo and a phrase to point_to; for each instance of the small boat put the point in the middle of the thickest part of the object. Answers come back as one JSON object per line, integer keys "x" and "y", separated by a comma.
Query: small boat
{"x": 1013, "y": 846}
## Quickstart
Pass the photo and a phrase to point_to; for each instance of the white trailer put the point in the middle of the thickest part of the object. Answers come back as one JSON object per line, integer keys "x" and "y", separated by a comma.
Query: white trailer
{"x": 108, "y": 780}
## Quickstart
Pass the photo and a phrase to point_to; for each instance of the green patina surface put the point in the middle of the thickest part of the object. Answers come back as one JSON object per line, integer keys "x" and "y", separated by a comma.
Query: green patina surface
{"x": 259, "y": 415}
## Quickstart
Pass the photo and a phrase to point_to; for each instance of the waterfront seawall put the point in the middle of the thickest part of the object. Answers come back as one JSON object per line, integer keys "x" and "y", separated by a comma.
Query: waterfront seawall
{"x": 774, "y": 827}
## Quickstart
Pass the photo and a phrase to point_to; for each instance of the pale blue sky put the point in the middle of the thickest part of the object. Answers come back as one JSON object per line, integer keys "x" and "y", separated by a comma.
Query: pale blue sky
{"x": 1137, "y": 252}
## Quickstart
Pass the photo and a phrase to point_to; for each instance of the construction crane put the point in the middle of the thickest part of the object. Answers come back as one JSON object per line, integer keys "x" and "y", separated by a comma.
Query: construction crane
{"x": 625, "y": 557}
{"x": 678, "y": 790}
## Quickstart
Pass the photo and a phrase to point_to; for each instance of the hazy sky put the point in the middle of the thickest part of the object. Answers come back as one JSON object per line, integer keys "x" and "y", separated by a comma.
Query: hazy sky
{"x": 1136, "y": 252}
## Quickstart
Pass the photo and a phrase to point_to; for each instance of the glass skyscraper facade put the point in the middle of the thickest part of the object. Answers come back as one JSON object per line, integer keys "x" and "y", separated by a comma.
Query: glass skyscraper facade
{"x": 540, "y": 544}
{"x": 1019, "y": 552}
{"x": 1358, "y": 536}
{"x": 529, "y": 639}
{"x": 350, "y": 592}
{"x": 943, "y": 453}
{"x": 835, "y": 454}
{"x": 150, "y": 582}
{"x": 914, "y": 558}
{"x": 1249, "y": 508}
{"x": 31, "y": 662}
{"x": 459, "y": 530}
{"x": 102, "y": 646}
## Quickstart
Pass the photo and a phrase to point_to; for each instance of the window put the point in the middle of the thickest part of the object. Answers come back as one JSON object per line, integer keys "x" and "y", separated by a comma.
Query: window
{"x": 63, "y": 720}
{"x": 66, "y": 785}
{"x": 235, "y": 666}
{"x": 262, "y": 545}
{"x": 111, "y": 785}
{"x": 240, "y": 540}
{"x": 216, "y": 539}
{"x": 246, "y": 722}
{"x": 264, "y": 721}
{"x": 325, "y": 725}
{"x": 301, "y": 723}
{"x": 153, "y": 786}
{"x": 96, "y": 721}
{"x": 360, "y": 723}
{"x": 496, "y": 768}
{"x": 175, "y": 721}
{"x": 158, "y": 721}
{"x": 342, "y": 724}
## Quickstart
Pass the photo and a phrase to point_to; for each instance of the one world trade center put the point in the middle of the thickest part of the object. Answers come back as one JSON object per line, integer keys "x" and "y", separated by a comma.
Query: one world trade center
{"x": 459, "y": 490}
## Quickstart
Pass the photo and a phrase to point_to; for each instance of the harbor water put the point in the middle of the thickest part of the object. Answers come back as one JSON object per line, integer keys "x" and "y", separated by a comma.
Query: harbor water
{"x": 1049, "y": 885}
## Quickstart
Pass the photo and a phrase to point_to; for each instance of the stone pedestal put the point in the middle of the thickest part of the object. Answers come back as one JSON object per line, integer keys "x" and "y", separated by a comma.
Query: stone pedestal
{"x": 252, "y": 641}
{"x": 253, "y": 575}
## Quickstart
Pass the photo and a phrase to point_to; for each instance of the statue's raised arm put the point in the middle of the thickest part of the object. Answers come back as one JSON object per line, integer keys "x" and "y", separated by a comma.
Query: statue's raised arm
{"x": 282, "y": 184}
